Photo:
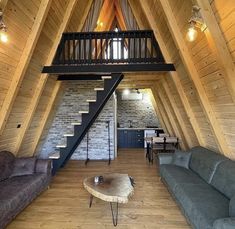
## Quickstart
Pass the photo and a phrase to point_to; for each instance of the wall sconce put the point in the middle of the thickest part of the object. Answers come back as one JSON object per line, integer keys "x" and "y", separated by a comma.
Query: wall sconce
{"x": 196, "y": 21}
{"x": 3, "y": 29}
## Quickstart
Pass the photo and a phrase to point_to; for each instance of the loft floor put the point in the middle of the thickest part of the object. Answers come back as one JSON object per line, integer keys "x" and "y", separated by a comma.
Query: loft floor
{"x": 65, "y": 204}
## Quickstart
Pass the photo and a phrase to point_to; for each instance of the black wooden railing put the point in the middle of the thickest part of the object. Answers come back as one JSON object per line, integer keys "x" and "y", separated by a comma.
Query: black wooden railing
{"x": 108, "y": 48}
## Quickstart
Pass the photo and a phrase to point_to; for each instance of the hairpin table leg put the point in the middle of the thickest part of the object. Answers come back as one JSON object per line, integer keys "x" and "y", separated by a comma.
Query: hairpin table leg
{"x": 114, "y": 217}
{"x": 91, "y": 199}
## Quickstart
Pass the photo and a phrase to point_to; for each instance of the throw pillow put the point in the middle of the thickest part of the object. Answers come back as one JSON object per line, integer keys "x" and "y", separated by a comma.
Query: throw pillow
{"x": 181, "y": 159}
{"x": 6, "y": 164}
{"x": 24, "y": 166}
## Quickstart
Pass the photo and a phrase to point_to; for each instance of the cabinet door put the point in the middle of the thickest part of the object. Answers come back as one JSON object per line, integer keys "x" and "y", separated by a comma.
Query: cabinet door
{"x": 122, "y": 138}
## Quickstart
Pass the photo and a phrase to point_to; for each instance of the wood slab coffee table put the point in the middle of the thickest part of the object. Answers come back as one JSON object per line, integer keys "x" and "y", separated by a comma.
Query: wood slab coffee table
{"x": 114, "y": 188}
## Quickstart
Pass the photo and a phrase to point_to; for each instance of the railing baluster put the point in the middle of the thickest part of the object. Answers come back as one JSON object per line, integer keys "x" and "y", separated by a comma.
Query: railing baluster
{"x": 79, "y": 49}
{"x": 95, "y": 49}
{"x": 90, "y": 49}
{"x": 99, "y": 47}
{"x": 68, "y": 50}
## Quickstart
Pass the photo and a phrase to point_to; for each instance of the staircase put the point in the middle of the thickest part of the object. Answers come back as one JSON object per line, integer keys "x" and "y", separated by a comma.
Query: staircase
{"x": 88, "y": 118}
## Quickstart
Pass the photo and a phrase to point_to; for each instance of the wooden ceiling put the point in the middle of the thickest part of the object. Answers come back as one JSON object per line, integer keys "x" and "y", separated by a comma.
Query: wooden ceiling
{"x": 196, "y": 103}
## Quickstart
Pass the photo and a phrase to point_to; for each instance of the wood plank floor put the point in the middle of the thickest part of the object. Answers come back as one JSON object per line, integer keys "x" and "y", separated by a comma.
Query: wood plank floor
{"x": 65, "y": 204}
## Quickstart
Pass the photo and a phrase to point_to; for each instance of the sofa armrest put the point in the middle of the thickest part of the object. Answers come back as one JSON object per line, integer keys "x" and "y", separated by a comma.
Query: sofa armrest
{"x": 43, "y": 166}
{"x": 225, "y": 223}
{"x": 165, "y": 158}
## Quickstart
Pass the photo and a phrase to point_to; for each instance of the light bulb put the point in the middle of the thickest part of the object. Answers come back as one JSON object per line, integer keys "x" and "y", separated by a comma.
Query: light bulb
{"x": 191, "y": 34}
{"x": 3, "y": 36}
{"x": 126, "y": 92}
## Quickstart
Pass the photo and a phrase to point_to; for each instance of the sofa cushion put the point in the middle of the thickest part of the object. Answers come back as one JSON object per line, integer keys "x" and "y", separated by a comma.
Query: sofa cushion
{"x": 224, "y": 178}
{"x": 19, "y": 190}
{"x": 226, "y": 223}
{"x": 204, "y": 162}
{"x": 174, "y": 175}
{"x": 232, "y": 207}
{"x": 23, "y": 166}
{"x": 202, "y": 204}
{"x": 181, "y": 159}
{"x": 6, "y": 164}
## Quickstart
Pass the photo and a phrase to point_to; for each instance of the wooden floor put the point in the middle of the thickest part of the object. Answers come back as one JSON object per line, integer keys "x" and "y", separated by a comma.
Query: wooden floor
{"x": 65, "y": 204}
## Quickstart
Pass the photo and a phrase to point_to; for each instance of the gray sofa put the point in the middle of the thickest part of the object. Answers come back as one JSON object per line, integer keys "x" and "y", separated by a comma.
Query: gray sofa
{"x": 21, "y": 180}
{"x": 203, "y": 184}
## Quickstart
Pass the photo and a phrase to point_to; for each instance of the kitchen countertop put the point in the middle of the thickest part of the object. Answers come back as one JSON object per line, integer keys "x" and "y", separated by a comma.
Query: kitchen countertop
{"x": 127, "y": 128}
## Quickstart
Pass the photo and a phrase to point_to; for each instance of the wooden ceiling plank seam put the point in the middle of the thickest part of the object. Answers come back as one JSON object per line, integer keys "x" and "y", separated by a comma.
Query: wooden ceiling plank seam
{"x": 172, "y": 117}
{"x": 162, "y": 111}
{"x": 46, "y": 116}
{"x": 177, "y": 113}
{"x": 3, "y": 4}
{"x": 174, "y": 75}
{"x": 218, "y": 44}
{"x": 23, "y": 63}
{"x": 157, "y": 110}
{"x": 192, "y": 71}
{"x": 43, "y": 77}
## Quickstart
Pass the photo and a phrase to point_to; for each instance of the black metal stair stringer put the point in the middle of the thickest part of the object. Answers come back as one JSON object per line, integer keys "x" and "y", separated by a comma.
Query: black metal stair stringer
{"x": 87, "y": 120}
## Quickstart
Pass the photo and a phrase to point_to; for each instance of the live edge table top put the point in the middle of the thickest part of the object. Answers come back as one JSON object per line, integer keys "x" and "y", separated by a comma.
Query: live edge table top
{"x": 114, "y": 188}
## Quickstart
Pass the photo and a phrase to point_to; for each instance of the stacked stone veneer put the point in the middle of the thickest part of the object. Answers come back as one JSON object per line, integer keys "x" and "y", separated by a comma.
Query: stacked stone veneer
{"x": 140, "y": 112}
{"x": 73, "y": 101}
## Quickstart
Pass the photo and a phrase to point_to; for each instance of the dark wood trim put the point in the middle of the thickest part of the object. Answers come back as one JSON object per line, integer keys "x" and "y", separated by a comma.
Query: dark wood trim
{"x": 108, "y": 68}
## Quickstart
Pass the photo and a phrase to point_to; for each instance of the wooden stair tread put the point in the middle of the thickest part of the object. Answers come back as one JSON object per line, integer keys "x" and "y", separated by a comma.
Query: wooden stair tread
{"x": 55, "y": 155}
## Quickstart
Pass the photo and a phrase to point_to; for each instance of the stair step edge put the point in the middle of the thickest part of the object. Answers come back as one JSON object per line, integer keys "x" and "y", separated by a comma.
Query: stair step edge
{"x": 68, "y": 135}
{"x": 61, "y": 146}
{"x": 106, "y": 77}
{"x": 99, "y": 89}
{"x": 83, "y": 112}
{"x": 76, "y": 123}
{"x": 55, "y": 155}
{"x": 91, "y": 100}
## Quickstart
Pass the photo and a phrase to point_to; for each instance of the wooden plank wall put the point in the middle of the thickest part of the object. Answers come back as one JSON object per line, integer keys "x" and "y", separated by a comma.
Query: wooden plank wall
{"x": 207, "y": 66}
{"x": 20, "y": 17}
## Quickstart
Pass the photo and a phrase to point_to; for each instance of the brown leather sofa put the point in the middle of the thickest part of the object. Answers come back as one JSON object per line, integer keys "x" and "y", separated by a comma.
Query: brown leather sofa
{"x": 21, "y": 180}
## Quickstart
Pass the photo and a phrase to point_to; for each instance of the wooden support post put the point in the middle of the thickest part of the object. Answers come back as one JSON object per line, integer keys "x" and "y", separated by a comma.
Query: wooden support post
{"x": 174, "y": 75}
{"x": 157, "y": 110}
{"x": 177, "y": 112}
{"x": 192, "y": 72}
{"x": 218, "y": 44}
{"x": 173, "y": 120}
{"x": 163, "y": 112}
{"x": 46, "y": 115}
{"x": 23, "y": 63}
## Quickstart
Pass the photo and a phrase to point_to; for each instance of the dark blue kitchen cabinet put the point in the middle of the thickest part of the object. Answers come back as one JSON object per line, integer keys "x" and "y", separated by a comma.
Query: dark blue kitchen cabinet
{"x": 128, "y": 138}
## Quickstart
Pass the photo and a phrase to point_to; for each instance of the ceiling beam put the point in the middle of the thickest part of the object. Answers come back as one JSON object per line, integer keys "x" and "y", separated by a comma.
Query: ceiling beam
{"x": 174, "y": 75}
{"x": 157, "y": 110}
{"x": 218, "y": 44}
{"x": 192, "y": 72}
{"x": 109, "y": 68}
{"x": 176, "y": 112}
{"x": 23, "y": 63}
{"x": 172, "y": 118}
{"x": 163, "y": 111}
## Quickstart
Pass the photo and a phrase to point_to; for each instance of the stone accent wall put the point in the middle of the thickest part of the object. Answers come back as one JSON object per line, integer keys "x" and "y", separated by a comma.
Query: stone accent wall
{"x": 73, "y": 101}
{"x": 140, "y": 112}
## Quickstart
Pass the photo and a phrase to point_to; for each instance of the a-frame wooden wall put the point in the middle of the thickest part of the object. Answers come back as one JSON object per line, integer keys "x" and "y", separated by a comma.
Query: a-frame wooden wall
{"x": 196, "y": 102}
